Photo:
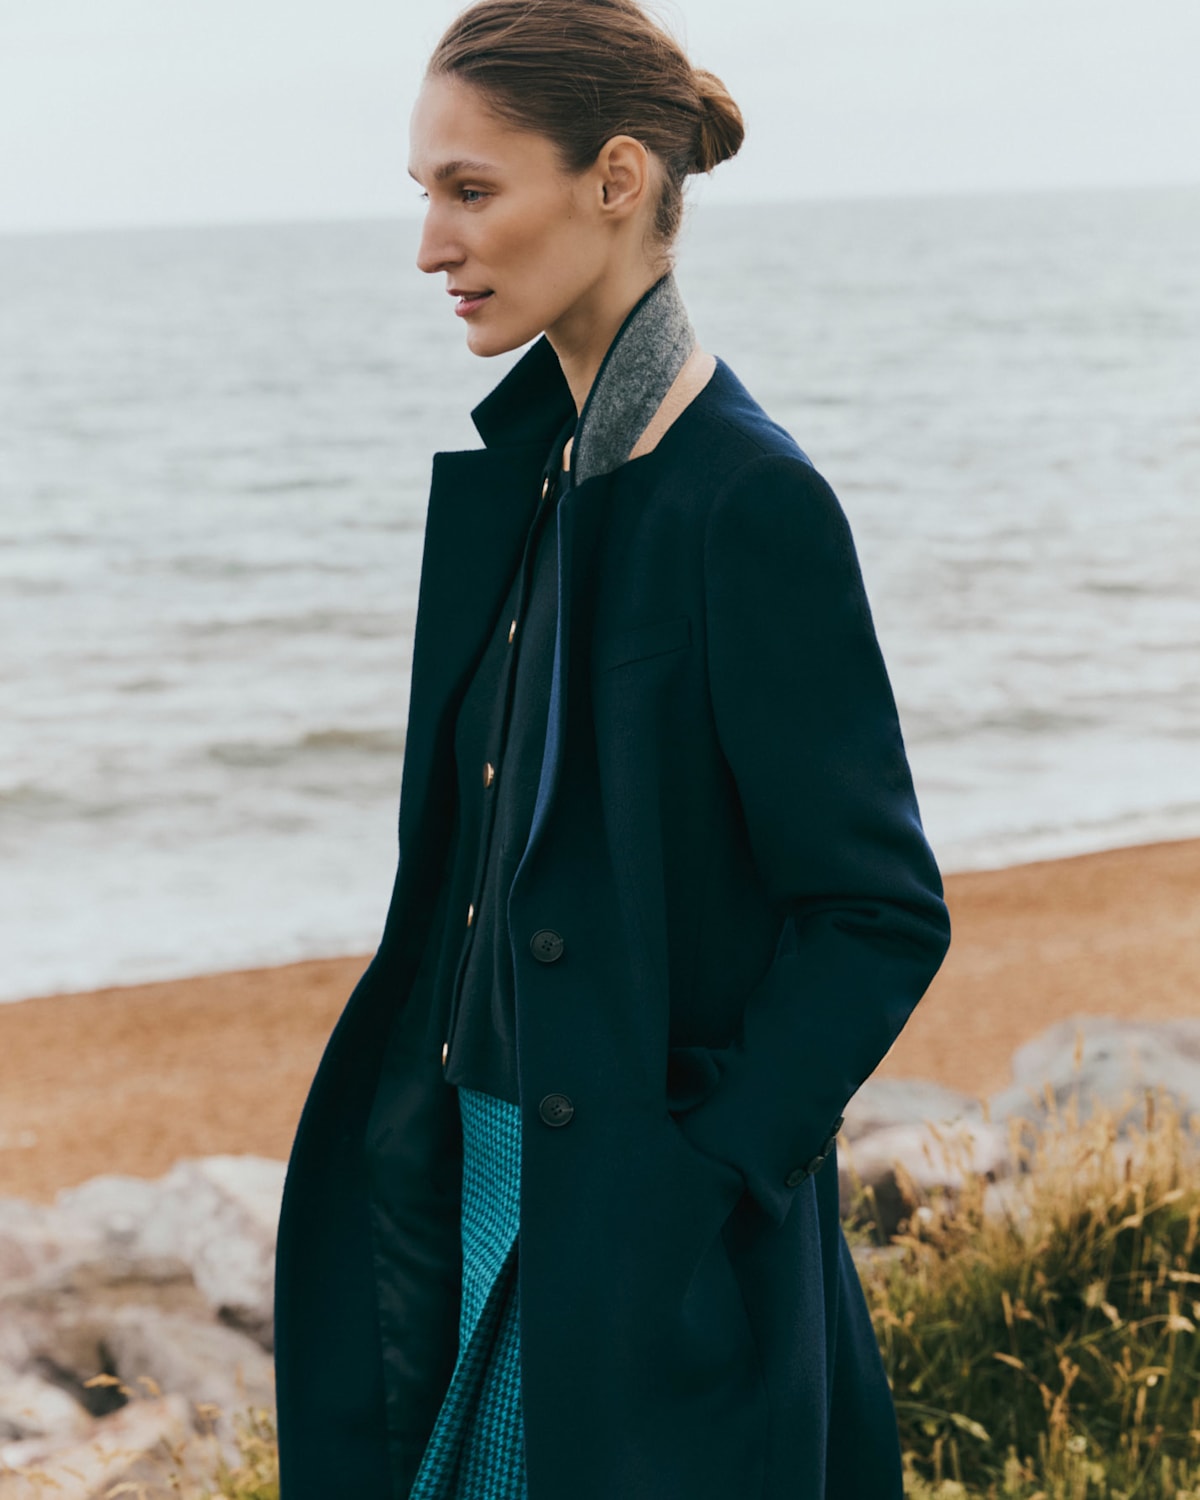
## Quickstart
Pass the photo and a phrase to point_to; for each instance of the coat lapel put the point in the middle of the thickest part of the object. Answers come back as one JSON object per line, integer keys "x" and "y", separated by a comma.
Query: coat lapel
{"x": 481, "y": 504}
{"x": 480, "y": 508}
{"x": 638, "y": 369}
{"x": 578, "y": 524}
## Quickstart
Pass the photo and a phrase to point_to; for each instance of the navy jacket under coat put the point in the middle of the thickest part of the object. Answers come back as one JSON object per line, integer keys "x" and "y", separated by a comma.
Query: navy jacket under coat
{"x": 732, "y": 856}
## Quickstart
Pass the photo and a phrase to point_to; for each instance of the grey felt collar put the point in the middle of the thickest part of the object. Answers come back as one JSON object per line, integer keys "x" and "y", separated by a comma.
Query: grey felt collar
{"x": 648, "y": 352}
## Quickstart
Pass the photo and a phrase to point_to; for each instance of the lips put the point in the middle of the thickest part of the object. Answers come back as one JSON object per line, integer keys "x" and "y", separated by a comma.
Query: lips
{"x": 468, "y": 302}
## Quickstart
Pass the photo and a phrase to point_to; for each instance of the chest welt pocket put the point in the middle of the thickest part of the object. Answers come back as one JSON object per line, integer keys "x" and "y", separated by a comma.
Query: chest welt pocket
{"x": 655, "y": 638}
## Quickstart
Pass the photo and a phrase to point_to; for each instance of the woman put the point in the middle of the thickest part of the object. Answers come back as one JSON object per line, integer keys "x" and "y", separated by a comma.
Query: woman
{"x": 663, "y": 899}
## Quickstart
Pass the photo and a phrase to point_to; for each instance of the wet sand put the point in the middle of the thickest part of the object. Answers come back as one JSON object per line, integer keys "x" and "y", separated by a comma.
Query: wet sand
{"x": 132, "y": 1079}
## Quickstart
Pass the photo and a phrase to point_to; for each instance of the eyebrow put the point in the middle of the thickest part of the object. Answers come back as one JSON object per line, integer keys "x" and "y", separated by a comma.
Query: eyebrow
{"x": 456, "y": 169}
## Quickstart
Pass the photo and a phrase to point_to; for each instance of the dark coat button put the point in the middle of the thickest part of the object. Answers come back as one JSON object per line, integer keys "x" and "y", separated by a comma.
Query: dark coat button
{"x": 556, "y": 1109}
{"x": 546, "y": 945}
{"x": 830, "y": 1140}
{"x": 798, "y": 1174}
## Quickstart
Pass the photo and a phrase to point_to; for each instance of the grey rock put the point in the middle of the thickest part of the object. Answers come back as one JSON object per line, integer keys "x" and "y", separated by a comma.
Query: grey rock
{"x": 218, "y": 1215}
{"x": 136, "y": 1440}
{"x": 35, "y": 1236}
{"x": 904, "y": 1165}
{"x": 140, "y": 1350}
{"x": 231, "y": 1248}
{"x": 107, "y": 1278}
{"x": 119, "y": 1213}
{"x": 42, "y": 1317}
{"x": 64, "y": 1350}
{"x": 53, "y": 1325}
{"x": 882, "y": 1102}
{"x": 1109, "y": 1064}
{"x": 32, "y": 1407}
{"x": 219, "y": 1371}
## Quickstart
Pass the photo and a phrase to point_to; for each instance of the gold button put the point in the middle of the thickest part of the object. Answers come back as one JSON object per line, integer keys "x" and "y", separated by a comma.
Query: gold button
{"x": 489, "y": 773}
{"x": 445, "y": 1052}
{"x": 545, "y": 486}
{"x": 512, "y": 630}
{"x": 470, "y": 913}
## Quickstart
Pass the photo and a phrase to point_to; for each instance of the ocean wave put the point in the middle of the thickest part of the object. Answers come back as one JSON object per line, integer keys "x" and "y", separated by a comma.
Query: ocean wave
{"x": 199, "y": 565}
{"x": 1022, "y": 721}
{"x": 319, "y": 742}
{"x": 300, "y": 484}
{"x": 34, "y": 802}
{"x": 333, "y": 622}
{"x": 30, "y": 797}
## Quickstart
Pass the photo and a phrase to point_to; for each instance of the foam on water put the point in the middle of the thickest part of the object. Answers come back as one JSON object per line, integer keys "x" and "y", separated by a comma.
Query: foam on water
{"x": 214, "y": 456}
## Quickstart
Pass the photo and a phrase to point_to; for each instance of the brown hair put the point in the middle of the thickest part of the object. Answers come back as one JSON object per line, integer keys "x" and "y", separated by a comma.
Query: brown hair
{"x": 583, "y": 71}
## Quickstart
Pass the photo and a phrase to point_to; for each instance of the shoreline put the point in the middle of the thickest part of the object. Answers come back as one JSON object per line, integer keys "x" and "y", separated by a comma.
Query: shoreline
{"x": 131, "y": 1078}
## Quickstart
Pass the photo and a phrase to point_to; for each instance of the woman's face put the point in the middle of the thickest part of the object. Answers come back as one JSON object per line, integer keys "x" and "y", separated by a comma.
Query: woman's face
{"x": 524, "y": 246}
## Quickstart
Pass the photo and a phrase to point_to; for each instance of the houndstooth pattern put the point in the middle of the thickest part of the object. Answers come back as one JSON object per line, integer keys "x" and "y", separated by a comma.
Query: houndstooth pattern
{"x": 477, "y": 1448}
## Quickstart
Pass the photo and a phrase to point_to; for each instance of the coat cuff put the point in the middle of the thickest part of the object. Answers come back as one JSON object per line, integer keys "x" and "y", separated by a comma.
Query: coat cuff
{"x": 770, "y": 1128}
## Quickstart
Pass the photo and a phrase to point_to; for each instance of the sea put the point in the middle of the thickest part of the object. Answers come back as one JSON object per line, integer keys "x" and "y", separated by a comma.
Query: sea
{"x": 215, "y": 449}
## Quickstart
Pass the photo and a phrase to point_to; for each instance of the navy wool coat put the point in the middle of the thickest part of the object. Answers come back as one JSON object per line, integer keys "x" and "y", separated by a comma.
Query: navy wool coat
{"x": 726, "y": 912}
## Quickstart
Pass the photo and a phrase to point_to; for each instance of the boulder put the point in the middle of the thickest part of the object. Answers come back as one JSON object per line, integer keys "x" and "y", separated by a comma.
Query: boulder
{"x": 1109, "y": 1064}
{"x": 231, "y": 1249}
{"x": 34, "y": 1237}
{"x": 103, "y": 1317}
{"x": 883, "y": 1102}
{"x": 31, "y": 1407}
{"x": 67, "y": 1351}
{"x": 136, "y": 1441}
{"x": 218, "y": 1370}
{"x": 905, "y": 1165}
{"x": 119, "y": 1213}
{"x": 217, "y": 1215}
{"x": 49, "y": 1323}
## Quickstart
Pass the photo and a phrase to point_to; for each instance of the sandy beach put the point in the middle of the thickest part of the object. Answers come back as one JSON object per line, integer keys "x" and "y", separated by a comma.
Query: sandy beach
{"x": 132, "y": 1079}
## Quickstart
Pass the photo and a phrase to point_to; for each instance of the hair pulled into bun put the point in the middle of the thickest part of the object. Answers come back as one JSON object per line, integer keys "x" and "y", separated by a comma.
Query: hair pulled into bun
{"x": 583, "y": 71}
{"x": 722, "y": 129}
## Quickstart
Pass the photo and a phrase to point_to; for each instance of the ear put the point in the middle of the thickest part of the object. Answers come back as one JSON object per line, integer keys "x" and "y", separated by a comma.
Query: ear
{"x": 623, "y": 172}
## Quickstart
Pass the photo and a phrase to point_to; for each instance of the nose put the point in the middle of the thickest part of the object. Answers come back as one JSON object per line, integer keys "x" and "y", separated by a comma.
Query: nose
{"x": 437, "y": 250}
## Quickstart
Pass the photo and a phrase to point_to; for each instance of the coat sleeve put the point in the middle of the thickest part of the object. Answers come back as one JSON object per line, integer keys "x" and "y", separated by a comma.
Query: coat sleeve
{"x": 807, "y": 722}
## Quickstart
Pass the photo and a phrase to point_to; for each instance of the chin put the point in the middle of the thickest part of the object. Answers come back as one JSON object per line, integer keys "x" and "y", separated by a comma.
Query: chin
{"x": 488, "y": 342}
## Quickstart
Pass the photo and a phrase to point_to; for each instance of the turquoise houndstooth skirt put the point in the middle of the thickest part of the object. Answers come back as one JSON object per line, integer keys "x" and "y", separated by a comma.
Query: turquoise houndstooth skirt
{"x": 477, "y": 1448}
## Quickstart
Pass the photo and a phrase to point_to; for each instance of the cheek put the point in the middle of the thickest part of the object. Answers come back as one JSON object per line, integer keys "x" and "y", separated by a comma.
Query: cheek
{"x": 540, "y": 237}
{"x": 527, "y": 244}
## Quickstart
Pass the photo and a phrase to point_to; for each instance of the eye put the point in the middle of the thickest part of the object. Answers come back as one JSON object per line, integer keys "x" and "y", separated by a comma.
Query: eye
{"x": 473, "y": 195}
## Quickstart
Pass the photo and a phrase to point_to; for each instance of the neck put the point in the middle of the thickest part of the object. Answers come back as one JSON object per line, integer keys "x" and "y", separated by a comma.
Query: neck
{"x": 583, "y": 337}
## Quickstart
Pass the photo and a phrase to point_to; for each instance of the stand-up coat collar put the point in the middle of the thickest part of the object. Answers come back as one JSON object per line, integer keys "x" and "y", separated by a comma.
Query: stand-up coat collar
{"x": 532, "y": 402}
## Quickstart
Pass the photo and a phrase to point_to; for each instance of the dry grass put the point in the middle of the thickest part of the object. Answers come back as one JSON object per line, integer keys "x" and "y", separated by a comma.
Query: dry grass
{"x": 1041, "y": 1337}
{"x": 256, "y": 1477}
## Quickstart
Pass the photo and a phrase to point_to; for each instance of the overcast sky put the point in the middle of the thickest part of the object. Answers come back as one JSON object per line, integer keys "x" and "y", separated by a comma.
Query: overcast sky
{"x": 117, "y": 112}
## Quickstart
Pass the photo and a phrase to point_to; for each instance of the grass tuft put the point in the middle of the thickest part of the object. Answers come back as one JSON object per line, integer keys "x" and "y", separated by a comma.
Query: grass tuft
{"x": 1041, "y": 1335}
